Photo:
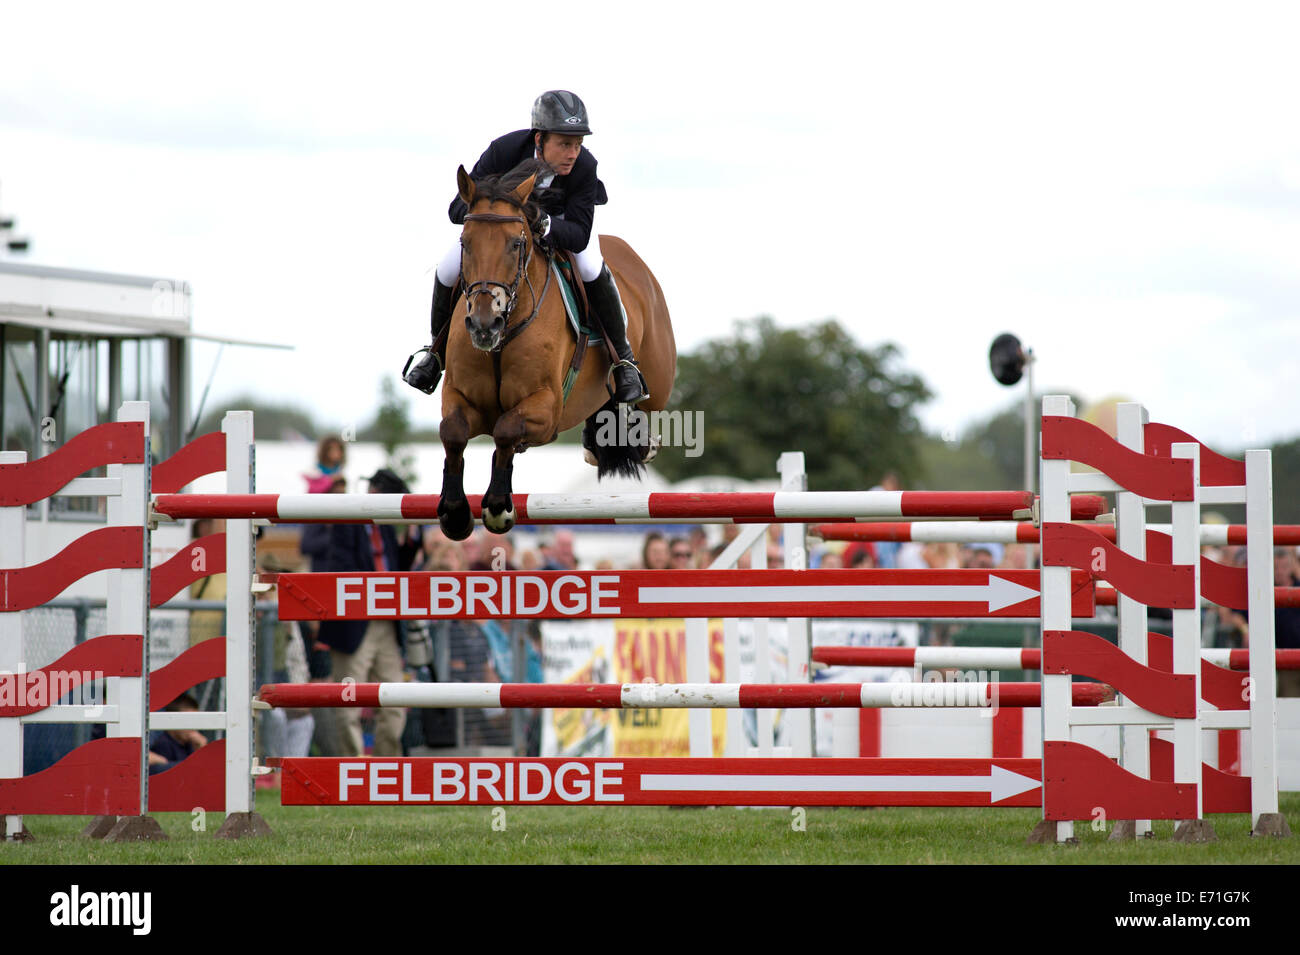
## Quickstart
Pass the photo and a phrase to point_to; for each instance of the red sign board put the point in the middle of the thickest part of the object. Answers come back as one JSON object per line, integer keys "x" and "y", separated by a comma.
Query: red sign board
{"x": 434, "y": 781}
{"x": 662, "y": 593}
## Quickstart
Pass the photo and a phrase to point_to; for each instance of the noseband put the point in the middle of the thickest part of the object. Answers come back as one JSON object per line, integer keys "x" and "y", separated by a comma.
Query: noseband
{"x": 486, "y": 286}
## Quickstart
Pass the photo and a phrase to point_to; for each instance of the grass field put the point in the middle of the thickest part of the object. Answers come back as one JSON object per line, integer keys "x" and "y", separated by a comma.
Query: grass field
{"x": 583, "y": 835}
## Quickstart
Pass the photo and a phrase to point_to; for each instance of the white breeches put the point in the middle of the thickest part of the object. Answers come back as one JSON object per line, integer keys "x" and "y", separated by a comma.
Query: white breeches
{"x": 449, "y": 267}
{"x": 589, "y": 264}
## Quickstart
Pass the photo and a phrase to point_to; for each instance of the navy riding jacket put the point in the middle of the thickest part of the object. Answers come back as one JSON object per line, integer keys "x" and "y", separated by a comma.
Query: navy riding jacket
{"x": 574, "y": 197}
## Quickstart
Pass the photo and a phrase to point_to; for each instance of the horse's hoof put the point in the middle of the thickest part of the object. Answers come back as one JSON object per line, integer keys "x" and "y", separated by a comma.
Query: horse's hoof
{"x": 456, "y": 522}
{"x": 652, "y": 451}
{"x": 499, "y": 521}
{"x": 589, "y": 457}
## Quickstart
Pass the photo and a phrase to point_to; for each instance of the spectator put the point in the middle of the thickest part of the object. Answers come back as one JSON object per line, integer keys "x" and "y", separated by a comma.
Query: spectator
{"x": 169, "y": 747}
{"x": 699, "y": 543}
{"x": 1017, "y": 557}
{"x": 680, "y": 553}
{"x": 205, "y": 624}
{"x": 331, "y": 455}
{"x": 496, "y": 552}
{"x": 468, "y": 651}
{"x": 887, "y": 553}
{"x": 288, "y": 731}
{"x": 981, "y": 556}
{"x": 775, "y": 552}
{"x": 859, "y": 554}
{"x": 409, "y": 536}
{"x": 936, "y": 556}
{"x": 1286, "y": 573}
{"x": 1230, "y": 620}
{"x": 360, "y": 650}
{"x": 864, "y": 559}
{"x": 557, "y": 551}
{"x": 473, "y": 548}
{"x": 743, "y": 563}
{"x": 654, "y": 552}
{"x": 442, "y": 554}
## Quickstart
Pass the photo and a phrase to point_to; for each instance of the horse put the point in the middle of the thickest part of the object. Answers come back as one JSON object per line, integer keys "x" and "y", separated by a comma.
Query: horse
{"x": 507, "y": 361}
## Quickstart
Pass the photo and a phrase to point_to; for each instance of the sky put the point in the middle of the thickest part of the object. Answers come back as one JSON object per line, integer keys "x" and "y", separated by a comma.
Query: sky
{"x": 1118, "y": 184}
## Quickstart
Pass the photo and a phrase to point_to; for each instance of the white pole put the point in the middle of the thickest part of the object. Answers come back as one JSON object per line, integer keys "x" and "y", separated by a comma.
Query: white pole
{"x": 1263, "y": 672}
{"x": 240, "y": 632}
{"x": 794, "y": 541}
{"x": 1055, "y": 508}
{"x": 1130, "y": 533}
{"x": 128, "y": 598}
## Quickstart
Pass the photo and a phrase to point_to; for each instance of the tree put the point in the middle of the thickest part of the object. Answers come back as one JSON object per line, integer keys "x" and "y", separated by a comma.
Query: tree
{"x": 768, "y": 390}
{"x": 392, "y": 429}
{"x": 1286, "y": 482}
{"x": 990, "y": 456}
{"x": 272, "y": 422}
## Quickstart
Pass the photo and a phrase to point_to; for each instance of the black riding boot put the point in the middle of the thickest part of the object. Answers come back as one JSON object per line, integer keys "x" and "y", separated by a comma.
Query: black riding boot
{"x": 602, "y": 296}
{"x": 428, "y": 370}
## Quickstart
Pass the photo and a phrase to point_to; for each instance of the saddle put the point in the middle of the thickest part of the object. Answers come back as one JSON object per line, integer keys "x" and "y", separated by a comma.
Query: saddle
{"x": 586, "y": 331}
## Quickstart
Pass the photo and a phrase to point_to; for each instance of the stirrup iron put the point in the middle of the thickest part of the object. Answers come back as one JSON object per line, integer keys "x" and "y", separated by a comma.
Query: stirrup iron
{"x": 627, "y": 363}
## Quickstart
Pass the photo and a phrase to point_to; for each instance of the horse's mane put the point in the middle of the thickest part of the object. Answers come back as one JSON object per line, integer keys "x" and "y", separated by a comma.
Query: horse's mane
{"x": 499, "y": 188}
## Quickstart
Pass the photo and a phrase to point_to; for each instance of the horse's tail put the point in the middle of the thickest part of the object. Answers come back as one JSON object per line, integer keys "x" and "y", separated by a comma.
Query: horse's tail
{"x": 618, "y": 444}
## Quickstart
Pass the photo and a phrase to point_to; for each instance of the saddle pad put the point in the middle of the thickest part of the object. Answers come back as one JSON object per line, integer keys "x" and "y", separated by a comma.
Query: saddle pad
{"x": 563, "y": 281}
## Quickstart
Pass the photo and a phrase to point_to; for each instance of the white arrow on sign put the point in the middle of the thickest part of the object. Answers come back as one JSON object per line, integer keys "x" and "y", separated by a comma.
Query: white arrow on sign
{"x": 999, "y": 783}
{"x": 998, "y": 592}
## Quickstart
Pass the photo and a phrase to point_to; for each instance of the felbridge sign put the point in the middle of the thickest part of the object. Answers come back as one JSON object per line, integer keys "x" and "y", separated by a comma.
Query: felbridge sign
{"x": 660, "y": 593}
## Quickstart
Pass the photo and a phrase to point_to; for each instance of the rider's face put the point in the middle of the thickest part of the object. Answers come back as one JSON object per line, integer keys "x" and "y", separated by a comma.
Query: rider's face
{"x": 560, "y": 151}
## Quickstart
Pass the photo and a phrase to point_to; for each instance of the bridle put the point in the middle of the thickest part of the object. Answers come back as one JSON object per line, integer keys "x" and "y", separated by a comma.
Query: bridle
{"x": 511, "y": 290}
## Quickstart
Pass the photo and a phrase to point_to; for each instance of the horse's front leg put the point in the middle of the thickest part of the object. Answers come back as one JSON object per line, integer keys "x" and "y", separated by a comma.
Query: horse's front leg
{"x": 531, "y": 422}
{"x": 458, "y": 426}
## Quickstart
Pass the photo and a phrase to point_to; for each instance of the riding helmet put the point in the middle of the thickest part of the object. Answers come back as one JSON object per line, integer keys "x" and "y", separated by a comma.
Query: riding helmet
{"x": 559, "y": 111}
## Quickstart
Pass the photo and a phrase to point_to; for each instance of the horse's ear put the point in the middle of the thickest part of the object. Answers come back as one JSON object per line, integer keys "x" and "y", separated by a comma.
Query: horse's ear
{"x": 525, "y": 189}
{"x": 466, "y": 186}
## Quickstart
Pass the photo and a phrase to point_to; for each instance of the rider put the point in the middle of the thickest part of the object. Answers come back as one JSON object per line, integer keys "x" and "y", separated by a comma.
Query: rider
{"x": 559, "y": 123}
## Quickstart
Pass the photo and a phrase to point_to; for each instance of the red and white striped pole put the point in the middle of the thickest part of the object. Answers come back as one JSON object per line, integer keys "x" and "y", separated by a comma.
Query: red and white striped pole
{"x": 667, "y": 695}
{"x": 657, "y": 507}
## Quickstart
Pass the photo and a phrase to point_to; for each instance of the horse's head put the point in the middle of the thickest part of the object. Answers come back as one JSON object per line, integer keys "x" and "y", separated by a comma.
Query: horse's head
{"x": 496, "y": 249}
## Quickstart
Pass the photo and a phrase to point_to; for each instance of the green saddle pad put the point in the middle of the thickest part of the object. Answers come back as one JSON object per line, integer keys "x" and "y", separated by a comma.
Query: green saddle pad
{"x": 564, "y": 279}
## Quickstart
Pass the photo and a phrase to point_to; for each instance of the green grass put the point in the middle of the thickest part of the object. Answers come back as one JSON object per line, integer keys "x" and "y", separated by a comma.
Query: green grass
{"x": 366, "y": 835}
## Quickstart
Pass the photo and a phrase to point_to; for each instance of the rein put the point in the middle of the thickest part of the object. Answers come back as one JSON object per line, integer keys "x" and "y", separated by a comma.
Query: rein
{"x": 511, "y": 290}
